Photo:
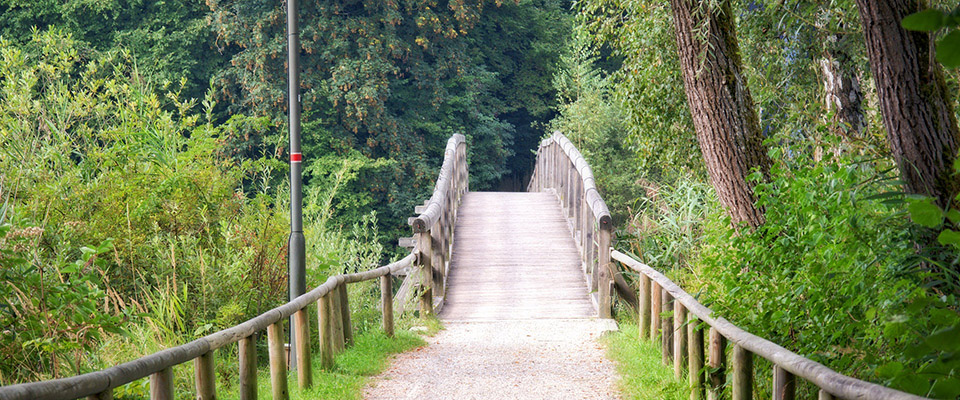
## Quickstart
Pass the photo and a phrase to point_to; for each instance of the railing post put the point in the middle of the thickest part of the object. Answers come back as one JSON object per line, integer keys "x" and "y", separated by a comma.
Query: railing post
{"x": 247, "y": 350}
{"x": 784, "y": 384}
{"x": 161, "y": 384}
{"x": 643, "y": 318}
{"x": 325, "y": 327}
{"x": 695, "y": 357}
{"x": 718, "y": 364}
{"x": 679, "y": 339}
{"x": 386, "y": 304}
{"x": 742, "y": 373}
{"x": 302, "y": 344}
{"x": 426, "y": 273}
{"x": 104, "y": 395}
{"x": 345, "y": 316}
{"x": 656, "y": 308}
{"x": 336, "y": 318}
{"x": 278, "y": 364}
{"x": 823, "y": 395}
{"x": 204, "y": 377}
{"x": 666, "y": 328}
{"x": 605, "y": 299}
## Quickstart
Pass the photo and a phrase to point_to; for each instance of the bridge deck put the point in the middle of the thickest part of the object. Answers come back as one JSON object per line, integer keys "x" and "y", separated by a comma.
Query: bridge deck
{"x": 513, "y": 258}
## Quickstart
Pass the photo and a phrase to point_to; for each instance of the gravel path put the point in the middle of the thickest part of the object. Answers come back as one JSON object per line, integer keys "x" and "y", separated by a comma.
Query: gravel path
{"x": 522, "y": 359}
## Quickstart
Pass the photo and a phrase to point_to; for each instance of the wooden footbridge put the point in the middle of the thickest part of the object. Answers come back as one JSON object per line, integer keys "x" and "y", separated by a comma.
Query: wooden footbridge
{"x": 545, "y": 253}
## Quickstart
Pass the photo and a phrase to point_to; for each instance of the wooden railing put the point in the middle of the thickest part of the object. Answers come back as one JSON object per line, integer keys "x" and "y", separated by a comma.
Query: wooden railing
{"x": 435, "y": 229}
{"x": 682, "y": 339}
{"x": 561, "y": 168}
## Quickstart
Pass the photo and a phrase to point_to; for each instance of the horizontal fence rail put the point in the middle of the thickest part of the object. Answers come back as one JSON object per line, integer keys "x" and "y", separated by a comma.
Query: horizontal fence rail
{"x": 434, "y": 228}
{"x": 683, "y": 346}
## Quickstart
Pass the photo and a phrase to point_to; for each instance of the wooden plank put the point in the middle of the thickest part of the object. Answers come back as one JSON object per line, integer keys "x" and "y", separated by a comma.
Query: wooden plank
{"x": 718, "y": 365}
{"x": 204, "y": 377}
{"x": 386, "y": 304}
{"x": 161, "y": 385}
{"x": 695, "y": 358}
{"x": 643, "y": 319}
{"x": 742, "y": 373}
{"x": 278, "y": 363}
{"x": 679, "y": 340}
{"x": 666, "y": 327}
{"x": 345, "y": 316}
{"x": 247, "y": 349}
{"x": 325, "y": 329}
{"x": 336, "y": 321}
{"x": 514, "y": 262}
{"x": 656, "y": 307}
{"x": 784, "y": 384}
{"x": 407, "y": 242}
{"x": 304, "y": 361}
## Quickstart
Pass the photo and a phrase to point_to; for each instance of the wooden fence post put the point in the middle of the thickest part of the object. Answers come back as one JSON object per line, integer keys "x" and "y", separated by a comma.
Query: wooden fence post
{"x": 325, "y": 327}
{"x": 304, "y": 366}
{"x": 742, "y": 373}
{"x": 823, "y": 395}
{"x": 718, "y": 364}
{"x": 345, "y": 316}
{"x": 666, "y": 328}
{"x": 679, "y": 339}
{"x": 278, "y": 364}
{"x": 784, "y": 384}
{"x": 426, "y": 273}
{"x": 656, "y": 307}
{"x": 386, "y": 304}
{"x": 644, "y": 306}
{"x": 161, "y": 385}
{"x": 247, "y": 349}
{"x": 336, "y": 320}
{"x": 104, "y": 395}
{"x": 204, "y": 377}
{"x": 695, "y": 357}
{"x": 604, "y": 302}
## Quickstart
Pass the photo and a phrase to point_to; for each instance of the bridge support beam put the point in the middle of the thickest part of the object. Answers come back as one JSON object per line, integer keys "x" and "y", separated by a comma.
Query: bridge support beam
{"x": 605, "y": 301}
{"x": 424, "y": 262}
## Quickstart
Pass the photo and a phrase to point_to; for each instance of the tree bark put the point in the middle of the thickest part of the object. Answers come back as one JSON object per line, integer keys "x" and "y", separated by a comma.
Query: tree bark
{"x": 727, "y": 126}
{"x": 841, "y": 87}
{"x": 921, "y": 127}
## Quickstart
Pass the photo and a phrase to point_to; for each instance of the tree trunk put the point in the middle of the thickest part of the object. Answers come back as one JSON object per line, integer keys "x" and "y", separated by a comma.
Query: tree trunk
{"x": 921, "y": 128}
{"x": 726, "y": 123}
{"x": 841, "y": 87}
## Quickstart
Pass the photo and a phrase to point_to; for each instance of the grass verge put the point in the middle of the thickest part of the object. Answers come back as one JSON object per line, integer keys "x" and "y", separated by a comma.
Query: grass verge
{"x": 642, "y": 376}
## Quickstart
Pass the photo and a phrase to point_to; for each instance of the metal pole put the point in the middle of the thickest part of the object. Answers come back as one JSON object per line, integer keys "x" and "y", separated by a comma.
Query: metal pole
{"x": 295, "y": 250}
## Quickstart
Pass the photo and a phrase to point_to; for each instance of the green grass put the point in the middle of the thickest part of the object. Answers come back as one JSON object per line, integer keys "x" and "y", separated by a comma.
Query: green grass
{"x": 367, "y": 357}
{"x": 638, "y": 362}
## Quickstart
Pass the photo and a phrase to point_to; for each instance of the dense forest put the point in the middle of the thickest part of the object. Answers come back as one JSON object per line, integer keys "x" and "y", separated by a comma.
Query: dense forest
{"x": 765, "y": 154}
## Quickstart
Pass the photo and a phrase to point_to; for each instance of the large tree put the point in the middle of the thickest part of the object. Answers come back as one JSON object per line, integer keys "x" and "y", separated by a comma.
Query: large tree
{"x": 720, "y": 103}
{"x": 916, "y": 107}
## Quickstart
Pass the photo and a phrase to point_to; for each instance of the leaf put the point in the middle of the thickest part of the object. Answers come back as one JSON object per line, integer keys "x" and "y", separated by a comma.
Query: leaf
{"x": 948, "y": 49}
{"x": 946, "y": 388}
{"x": 949, "y": 237}
{"x": 945, "y": 339}
{"x": 925, "y": 213}
{"x": 927, "y": 20}
{"x": 889, "y": 370}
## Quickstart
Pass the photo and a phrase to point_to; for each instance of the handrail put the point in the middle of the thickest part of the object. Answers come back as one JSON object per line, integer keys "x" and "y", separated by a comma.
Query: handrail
{"x": 434, "y": 229}
{"x": 831, "y": 383}
{"x": 562, "y": 169}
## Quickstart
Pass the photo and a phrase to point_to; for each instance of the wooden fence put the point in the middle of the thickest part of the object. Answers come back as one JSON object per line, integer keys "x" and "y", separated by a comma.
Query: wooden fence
{"x": 434, "y": 229}
{"x": 560, "y": 167}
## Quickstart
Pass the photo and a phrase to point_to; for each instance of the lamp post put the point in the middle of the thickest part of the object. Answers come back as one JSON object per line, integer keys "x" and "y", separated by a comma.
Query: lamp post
{"x": 296, "y": 268}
